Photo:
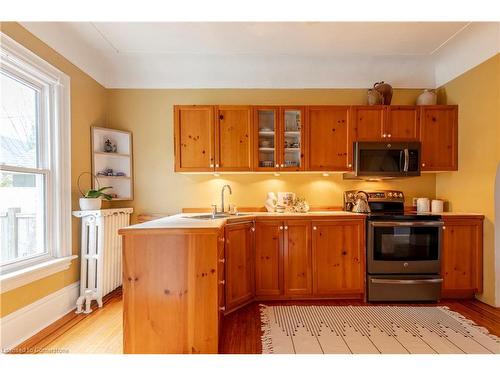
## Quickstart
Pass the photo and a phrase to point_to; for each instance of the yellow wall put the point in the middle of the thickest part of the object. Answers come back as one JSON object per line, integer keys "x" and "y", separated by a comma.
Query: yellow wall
{"x": 88, "y": 107}
{"x": 471, "y": 189}
{"x": 148, "y": 114}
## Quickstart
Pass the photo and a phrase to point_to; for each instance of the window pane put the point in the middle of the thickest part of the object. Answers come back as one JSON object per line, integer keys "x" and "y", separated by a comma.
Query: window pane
{"x": 22, "y": 216}
{"x": 18, "y": 123}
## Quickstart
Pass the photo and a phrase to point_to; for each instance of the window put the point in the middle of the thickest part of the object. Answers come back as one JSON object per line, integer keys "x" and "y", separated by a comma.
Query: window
{"x": 35, "y": 200}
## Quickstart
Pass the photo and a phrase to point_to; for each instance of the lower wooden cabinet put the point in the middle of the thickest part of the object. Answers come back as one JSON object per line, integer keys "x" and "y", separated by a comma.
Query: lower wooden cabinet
{"x": 239, "y": 262}
{"x": 297, "y": 257}
{"x": 338, "y": 257}
{"x": 268, "y": 258}
{"x": 461, "y": 257}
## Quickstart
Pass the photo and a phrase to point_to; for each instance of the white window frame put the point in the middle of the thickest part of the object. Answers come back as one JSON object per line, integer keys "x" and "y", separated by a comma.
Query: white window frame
{"x": 55, "y": 154}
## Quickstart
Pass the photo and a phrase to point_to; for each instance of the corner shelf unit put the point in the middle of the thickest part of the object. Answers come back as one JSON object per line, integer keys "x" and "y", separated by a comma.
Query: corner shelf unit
{"x": 119, "y": 161}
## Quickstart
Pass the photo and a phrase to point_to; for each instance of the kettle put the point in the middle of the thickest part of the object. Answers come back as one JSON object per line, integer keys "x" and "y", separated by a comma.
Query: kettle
{"x": 361, "y": 205}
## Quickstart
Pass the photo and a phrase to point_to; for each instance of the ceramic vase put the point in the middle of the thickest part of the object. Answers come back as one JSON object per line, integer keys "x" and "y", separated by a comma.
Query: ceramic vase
{"x": 428, "y": 97}
{"x": 87, "y": 204}
{"x": 374, "y": 97}
{"x": 271, "y": 202}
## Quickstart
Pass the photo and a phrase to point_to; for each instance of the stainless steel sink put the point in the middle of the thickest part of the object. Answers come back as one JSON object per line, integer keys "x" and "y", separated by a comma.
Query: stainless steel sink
{"x": 216, "y": 216}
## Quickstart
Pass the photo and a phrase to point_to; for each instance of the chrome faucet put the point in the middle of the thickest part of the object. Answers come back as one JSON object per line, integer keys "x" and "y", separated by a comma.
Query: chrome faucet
{"x": 222, "y": 208}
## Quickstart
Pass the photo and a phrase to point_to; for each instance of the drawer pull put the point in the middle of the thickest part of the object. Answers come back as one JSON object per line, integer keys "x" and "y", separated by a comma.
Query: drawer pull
{"x": 410, "y": 282}
{"x": 222, "y": 260}
{"x": 222, "y": 282}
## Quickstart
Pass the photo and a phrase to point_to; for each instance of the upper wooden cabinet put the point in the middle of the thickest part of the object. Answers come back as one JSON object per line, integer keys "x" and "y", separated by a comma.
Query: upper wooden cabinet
{"x": 402, "y": 123}
{"x": 461, "y": 257}
{"x": 313, "y": 138}
{"x": 279, "y": 135}
{"x": 338, "y": 257}
{"x": 367, "y": 122}
{"x": 239, "y": 261}
{"x": 233, "y": 138}
{"x": 328, "y": 138}
{"x": 194, "y": 138}
{"x": 383, "y": 123}
{"x": 439, "y": 137}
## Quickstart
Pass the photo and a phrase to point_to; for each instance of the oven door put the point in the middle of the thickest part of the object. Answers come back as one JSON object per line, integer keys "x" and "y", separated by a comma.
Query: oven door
{"x": 404, "y": 247}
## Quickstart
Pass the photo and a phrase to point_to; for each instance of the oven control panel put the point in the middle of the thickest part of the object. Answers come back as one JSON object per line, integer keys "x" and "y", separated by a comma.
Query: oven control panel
{"x": 376, "y": 196}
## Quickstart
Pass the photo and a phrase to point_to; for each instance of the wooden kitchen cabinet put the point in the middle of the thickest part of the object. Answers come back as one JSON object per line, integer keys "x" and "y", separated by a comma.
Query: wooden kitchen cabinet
{"x": 268, "y": 258}
{"x": 368, "y": 122}
{"x": 439, "y": 137}
{"x": 279, "y": 133}
{"x": 297, "y": 258}
{"x": 402, "y": 123}
{"x": 233, "y": 138}
{"x": 194, "y": 138}
{"x": 328, "y": 138}
{"x": 461, "y": 256}
{"x": 338, "y": 257}
{"x": 239, "y": 261}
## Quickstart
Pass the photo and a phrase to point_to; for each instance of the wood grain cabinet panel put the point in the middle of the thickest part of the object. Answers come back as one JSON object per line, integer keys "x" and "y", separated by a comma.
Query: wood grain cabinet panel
{"x": 461, "y": 257}
{"x": 194, "y": 138}
{"x": 233, "y": 138}
{"x": 297, "y": 258}
{"x": 239, "y": 264}
{"x": 338, "y": 257}
{"x": 439, "y": 137}
{"x": 402, "y": 123}
{"x": 170, "y": 294}
{"x": 268, "y": 258}
{"x": 368, "y": 122}
{"x": 329, "y": 146}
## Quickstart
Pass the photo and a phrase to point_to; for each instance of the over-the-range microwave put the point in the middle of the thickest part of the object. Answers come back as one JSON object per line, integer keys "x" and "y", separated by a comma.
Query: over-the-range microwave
{"x": 386, "y": 159}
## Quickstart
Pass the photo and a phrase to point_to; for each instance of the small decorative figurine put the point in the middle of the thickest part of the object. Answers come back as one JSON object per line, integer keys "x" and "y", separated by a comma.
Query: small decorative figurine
{"x": 109, "y": 146}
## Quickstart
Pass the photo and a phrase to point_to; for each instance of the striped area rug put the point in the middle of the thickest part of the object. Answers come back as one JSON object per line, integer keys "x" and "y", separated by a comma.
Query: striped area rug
{"x": 372, "y": 329}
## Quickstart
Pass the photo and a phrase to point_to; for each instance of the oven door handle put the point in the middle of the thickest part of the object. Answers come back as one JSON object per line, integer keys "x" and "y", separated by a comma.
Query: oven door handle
{"x": 406, "y": 223}
{"x": 407, "y": 160}
{"x": 407, "y": 282}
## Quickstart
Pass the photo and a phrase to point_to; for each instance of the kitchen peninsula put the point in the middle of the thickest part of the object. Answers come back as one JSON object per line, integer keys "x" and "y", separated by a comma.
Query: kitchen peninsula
{"x": 182, "y": 274}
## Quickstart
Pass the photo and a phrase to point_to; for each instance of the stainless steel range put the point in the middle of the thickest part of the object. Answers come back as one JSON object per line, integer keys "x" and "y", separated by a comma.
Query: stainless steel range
{"x": 403, "y": 251}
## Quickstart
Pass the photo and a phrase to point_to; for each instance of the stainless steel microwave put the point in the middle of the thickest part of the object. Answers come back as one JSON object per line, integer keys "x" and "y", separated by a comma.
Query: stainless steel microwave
{"x": 386, "y": 159}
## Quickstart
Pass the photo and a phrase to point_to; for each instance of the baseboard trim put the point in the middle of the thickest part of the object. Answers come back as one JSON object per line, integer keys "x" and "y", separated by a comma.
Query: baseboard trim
{"x": 29, "y": 320}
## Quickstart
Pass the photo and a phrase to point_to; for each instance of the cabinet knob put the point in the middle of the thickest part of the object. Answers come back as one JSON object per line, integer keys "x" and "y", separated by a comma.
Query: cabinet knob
{"x": 222, "y": 260}
{"x": 423, "y": 164}
{"x": 282, "y": 165}
{"x": 222, "y": 282}
{"x": 216, "y": 165}
{"x": 286, "y": 227}
{"x": 222, "y": 308}
{"x": 389, "y": 135}
{"x": 384, "y": 135}
{"x": 281, "y": 227}
{"x": 444, "y": 227}
{"x": 349, "y": 165}
{"x": 277, "y": 165}
{"x": 252, "y": 229}
{"x": 211, "y": 165}
{"x": 315, "y": 228}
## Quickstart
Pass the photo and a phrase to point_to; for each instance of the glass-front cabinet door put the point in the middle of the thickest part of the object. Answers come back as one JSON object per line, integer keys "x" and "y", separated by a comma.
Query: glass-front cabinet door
{"x": 292, "y": 138}
{"x": 267, "y": 136}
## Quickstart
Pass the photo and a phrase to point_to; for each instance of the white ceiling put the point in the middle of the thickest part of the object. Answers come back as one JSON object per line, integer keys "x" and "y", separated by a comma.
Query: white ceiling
{"x": 274, "y": 55}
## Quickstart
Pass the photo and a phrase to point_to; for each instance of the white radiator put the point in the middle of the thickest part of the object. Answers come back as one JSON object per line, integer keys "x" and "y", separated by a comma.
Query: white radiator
{"x": 101, "y": 254}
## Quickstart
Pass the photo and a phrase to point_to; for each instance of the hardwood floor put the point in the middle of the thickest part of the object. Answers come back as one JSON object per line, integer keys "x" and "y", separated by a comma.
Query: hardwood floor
{"x": 101, "y": 331}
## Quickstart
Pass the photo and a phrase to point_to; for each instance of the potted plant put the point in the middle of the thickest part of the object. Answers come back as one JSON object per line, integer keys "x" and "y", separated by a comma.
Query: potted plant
{"x": 92, "y": 199}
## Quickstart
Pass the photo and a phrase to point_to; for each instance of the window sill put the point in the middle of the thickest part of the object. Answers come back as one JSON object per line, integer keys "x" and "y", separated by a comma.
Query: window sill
{"x": 16, "y": 279}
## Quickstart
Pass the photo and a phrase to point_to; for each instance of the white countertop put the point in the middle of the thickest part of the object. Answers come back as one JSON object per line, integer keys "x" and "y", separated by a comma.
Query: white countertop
{"x": 184, "y": 220}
